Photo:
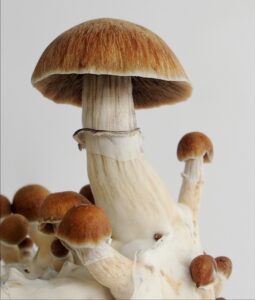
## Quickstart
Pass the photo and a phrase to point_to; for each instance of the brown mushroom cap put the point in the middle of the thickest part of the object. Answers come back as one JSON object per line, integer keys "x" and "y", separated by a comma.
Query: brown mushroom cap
{"x": 26, "y": 243}
{"x": 195, "y": 144}
{"x": 27, "y": 201}
{"x": 84, "y": 226}
{"x": 13, "y": 229}
{"x": 202, "y": 269}
{"x": 224, "y": 265}
{"x": 56, "y": 205}
{"x": 87, "y": 193}
{"x": 113, "y": 47}
{"x": 58, "y": 249}
{"x": 220, "y": 298}
{"x": 5, "y": 206}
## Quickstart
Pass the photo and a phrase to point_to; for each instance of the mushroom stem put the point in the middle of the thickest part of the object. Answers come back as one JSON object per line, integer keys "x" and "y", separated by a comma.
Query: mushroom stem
{"x": 9, "y": 254}
{"x": 191, "y": 189}
{"x": 109, "y": 268}
{"x": 122, "y": 181}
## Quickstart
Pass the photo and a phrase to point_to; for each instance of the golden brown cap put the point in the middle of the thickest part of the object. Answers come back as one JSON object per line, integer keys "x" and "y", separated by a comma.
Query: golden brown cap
{"x": 58, "y": 250}
{"x": 87, "y": 193}
{"x": 84, "y": 226}
{"x": 195, "y": 144}
{"x": 13, "y": 229}
{"x": 56, "y": 205}
{"x": 27, "y": 201}
{"x": 202, "y": 269}
{"x": 5, "y": 206}
{"x": 220, "y": 298}
{"x": 26, "y": 243}
{"x": 111, "y": 47}
{"x": 224, "y": 265}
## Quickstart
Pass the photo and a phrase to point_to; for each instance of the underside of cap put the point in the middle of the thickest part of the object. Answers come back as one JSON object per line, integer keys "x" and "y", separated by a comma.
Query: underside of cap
{"x": 111, "y": 47}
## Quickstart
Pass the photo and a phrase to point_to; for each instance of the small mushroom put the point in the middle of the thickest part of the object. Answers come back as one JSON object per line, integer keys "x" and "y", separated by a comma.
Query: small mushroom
{"x": 85, "y": 230}
{"x": 224, "y": 266}
{"x": 27, "y": 202}
{"x": 13, "y": 231}
{"x": 87, "y": 193}
{"x": 60, "y": 253}
{"x": 5, "y": 207}
{"x": 26, "y": 248}
{"x": 194, "y": 148}
{"x": 202, "y": 269}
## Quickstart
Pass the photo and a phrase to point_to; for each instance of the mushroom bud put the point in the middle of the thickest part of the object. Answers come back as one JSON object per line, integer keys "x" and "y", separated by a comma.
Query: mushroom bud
{"x": 26, "y": 250}
{"x": 202, "y": 269}
{"x": 13, "y": 231}
{"x": 5, "y": 207}
{"x": 224, "y": 265}
{"x": 87, "y": 193}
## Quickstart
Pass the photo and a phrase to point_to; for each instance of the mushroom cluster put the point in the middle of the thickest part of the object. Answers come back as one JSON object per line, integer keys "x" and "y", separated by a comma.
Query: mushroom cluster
{"x": 124, "y": 231}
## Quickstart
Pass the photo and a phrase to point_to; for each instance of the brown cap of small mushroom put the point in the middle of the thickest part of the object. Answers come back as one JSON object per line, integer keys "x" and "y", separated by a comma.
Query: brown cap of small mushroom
{"x": 111, "y": 47}
{"x": 220, "y": 298}
{"x": 56, "y": 205}
{"x": 202, "y": 270}
{"x": 58, "y": 250}
{"x": 5, "y": 206}
{"x": 87, "y": 193}
{"x": 13, "y": 229}
{"x": 224, "y": 265}
{"x": 26, "y": 243}
{"x": 84, "y": 226}
{"x": 27, "y": 201}
{"x": 193, "y": 145}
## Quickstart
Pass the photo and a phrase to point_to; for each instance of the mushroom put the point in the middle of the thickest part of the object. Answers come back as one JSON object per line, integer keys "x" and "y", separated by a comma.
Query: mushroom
{"x": 85, "y": 230}
{"x": 87, "y": 193}
{"x": 13, "y": 231}
{"x": 202, "y": 270}
{"x": 194, "y": 148}
{"x": 27, "y": 202}
{"x": 5, "y": 207}
{"x": 61, "y": 253}
{"x": 52, "y": 212}
{"x": 224, "y": 266}
{"x": 55, "y": 207}
{"x": 26, "y": 248}
{"x": 110, "y": 67}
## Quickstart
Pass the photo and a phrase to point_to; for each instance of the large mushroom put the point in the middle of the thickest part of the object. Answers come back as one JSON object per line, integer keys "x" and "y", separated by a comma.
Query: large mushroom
{"x": 110, "y": 67}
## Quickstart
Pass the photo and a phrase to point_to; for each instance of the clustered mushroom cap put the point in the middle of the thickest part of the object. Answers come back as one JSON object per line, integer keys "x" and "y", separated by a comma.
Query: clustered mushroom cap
{"x": 111, "y": 47}
{"x": 202, "y": 269}
{"x": 27, "y": 201}
{"x": 87, "y": 193}
{"x": 13, "y": 229}
{"x": 193, "y": 145}
{"x": 58, "y": 250}
{"x": 5, "y": 206}
{"x": 26, "y": 243}
{"x": 84, "y": 226}
{"x": 56, "y": 205}
{"x": 224, "y": 265}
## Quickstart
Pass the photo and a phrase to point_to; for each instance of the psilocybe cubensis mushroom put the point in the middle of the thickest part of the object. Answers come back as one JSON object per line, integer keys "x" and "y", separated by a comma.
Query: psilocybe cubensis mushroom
{"x": 122, "y": 236}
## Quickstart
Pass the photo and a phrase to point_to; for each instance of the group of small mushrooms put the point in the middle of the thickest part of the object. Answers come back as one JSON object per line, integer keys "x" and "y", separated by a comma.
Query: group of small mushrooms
{"x": 124, "y": 228}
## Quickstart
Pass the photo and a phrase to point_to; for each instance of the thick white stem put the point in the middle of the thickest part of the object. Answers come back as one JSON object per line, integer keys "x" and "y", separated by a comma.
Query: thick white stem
{"x": 109, "y": 268}
{"x": 191, "y": 189}
{"x": 124, "y": 185}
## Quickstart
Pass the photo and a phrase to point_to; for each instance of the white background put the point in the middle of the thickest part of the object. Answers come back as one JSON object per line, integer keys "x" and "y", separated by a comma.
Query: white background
{"x": 214, "y": 40}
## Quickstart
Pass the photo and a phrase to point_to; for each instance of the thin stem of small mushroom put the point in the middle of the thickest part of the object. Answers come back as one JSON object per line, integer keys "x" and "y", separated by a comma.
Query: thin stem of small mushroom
{"x": 109, "y": 268}
{"x": 122, "y": 182}
{"x": 191, "y": 189}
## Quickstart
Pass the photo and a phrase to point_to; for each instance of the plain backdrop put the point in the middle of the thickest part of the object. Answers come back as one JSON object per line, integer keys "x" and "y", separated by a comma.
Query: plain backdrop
{"x": 214, "y": 40}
